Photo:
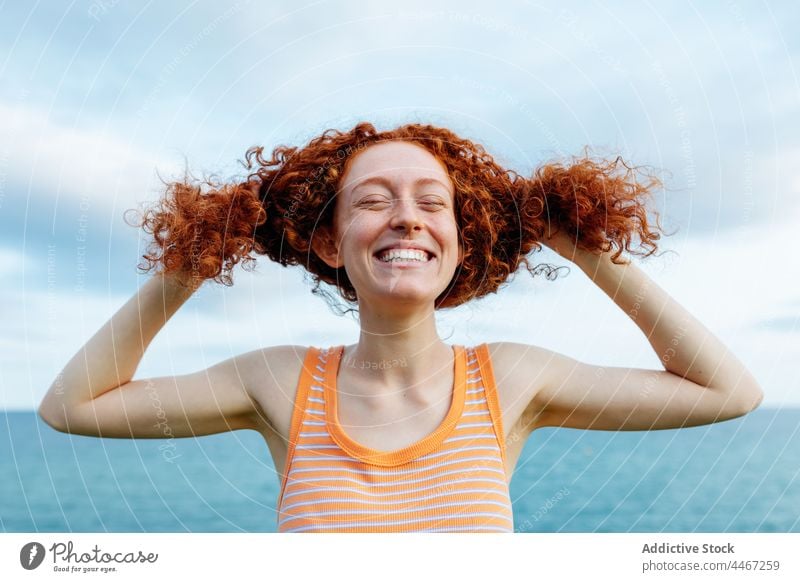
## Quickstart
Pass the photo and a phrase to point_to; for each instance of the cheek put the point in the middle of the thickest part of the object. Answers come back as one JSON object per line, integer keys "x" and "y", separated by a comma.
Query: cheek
{"x": 365, "y": 227}
{"x": 357, "y": 235}
{"x": 449, "y": 233}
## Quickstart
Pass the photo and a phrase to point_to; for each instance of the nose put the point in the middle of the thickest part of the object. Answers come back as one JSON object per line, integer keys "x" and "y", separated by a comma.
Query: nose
{"x": 405, "y": 215}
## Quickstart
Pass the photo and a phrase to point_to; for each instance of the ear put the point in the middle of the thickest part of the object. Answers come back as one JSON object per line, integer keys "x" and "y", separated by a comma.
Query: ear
{"x": 323, "y": 242}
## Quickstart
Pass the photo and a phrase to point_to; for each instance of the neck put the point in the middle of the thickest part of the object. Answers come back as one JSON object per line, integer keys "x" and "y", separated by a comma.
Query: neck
{"x": 398, "y": 348}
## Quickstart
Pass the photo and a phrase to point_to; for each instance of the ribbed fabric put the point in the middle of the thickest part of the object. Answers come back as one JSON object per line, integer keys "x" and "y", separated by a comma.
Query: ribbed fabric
{"x": 452, "y": 480}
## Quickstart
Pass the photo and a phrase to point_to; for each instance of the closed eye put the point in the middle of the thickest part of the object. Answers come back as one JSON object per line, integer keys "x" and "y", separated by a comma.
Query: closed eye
{"x": 425, "y": 203}
{"x": 373, "y": 201}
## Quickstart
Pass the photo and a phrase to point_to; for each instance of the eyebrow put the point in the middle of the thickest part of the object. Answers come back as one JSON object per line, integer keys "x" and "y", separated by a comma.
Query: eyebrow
{"x": 381, "y": 181}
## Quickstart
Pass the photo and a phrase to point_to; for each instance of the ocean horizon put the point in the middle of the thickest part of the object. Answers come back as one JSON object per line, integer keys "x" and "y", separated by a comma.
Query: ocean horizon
{"x": 741, "y": 475}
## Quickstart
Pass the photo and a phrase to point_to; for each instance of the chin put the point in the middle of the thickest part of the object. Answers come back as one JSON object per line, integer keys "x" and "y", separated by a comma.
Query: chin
{"x": 406, "y": 297}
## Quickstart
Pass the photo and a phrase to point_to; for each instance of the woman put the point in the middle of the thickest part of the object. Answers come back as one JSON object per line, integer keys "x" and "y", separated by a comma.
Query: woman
{"x": 399, "y": 431}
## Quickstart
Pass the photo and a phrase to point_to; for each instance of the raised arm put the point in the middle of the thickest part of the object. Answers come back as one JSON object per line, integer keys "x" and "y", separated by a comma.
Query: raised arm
{"x": 703, "y": 382}
{"x": 95, "y": 396}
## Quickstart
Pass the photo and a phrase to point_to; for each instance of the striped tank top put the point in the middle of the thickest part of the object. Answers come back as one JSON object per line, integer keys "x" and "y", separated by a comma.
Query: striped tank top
{"x": 453, "y": 480}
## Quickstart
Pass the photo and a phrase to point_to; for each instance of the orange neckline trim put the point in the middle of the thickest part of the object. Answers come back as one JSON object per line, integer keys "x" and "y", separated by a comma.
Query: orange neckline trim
{"x": 405, "y": 454}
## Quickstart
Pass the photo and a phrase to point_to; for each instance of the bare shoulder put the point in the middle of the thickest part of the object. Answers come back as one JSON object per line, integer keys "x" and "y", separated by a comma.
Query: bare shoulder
{"x": 519, "y": 363}
{"x": 271, "y": 375}
{"x": 520, "y": 370}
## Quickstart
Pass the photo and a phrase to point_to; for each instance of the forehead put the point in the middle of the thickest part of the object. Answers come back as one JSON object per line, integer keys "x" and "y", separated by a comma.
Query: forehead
{"x": 398, "y": 162}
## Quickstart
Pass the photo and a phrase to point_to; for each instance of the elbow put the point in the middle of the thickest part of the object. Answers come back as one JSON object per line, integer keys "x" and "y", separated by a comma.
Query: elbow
{"x": 756, "y": 398}
{"x": 753, "y": 398}
{"x": 748, "y": 401}
{"x": 51, "y": 417}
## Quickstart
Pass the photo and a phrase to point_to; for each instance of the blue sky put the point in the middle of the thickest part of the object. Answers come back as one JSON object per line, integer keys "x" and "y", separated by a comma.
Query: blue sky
{"x": 97, "y": 97}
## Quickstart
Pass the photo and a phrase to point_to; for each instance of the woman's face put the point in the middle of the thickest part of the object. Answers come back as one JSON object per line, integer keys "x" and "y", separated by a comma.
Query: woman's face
{"x": 395, "y": 195}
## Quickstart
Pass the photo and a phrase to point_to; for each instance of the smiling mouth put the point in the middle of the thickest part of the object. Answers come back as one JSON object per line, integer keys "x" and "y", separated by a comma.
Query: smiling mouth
{"x": 404, "y": 257}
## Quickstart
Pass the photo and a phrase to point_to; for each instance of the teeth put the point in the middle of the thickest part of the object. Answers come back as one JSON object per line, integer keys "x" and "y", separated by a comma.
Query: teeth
{"x": 404, "y": 255}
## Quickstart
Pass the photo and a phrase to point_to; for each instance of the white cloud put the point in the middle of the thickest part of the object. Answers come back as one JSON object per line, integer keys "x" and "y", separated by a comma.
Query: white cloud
{"x": 11, "y": 261}
{"x": 77, "y": 162}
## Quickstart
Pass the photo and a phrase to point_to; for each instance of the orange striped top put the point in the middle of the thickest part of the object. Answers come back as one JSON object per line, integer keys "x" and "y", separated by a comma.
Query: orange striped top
{"x": 453, "y": 480}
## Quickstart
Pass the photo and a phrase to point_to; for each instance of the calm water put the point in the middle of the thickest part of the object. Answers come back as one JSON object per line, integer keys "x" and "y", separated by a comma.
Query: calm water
{"x": 736, "y": 476}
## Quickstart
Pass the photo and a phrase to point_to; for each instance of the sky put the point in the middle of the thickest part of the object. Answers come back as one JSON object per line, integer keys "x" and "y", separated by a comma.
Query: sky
{"x": 99, "y": 100}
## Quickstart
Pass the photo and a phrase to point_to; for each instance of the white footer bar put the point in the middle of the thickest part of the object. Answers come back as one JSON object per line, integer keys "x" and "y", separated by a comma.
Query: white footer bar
{"x": 401, "y": 557}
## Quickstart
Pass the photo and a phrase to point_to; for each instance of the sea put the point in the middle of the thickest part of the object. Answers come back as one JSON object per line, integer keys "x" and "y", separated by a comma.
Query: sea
{"x": 741, "y": 475}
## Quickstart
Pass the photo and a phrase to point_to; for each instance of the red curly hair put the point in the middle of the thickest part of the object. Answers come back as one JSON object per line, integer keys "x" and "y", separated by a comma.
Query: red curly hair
{"x": 205, "y": 228}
